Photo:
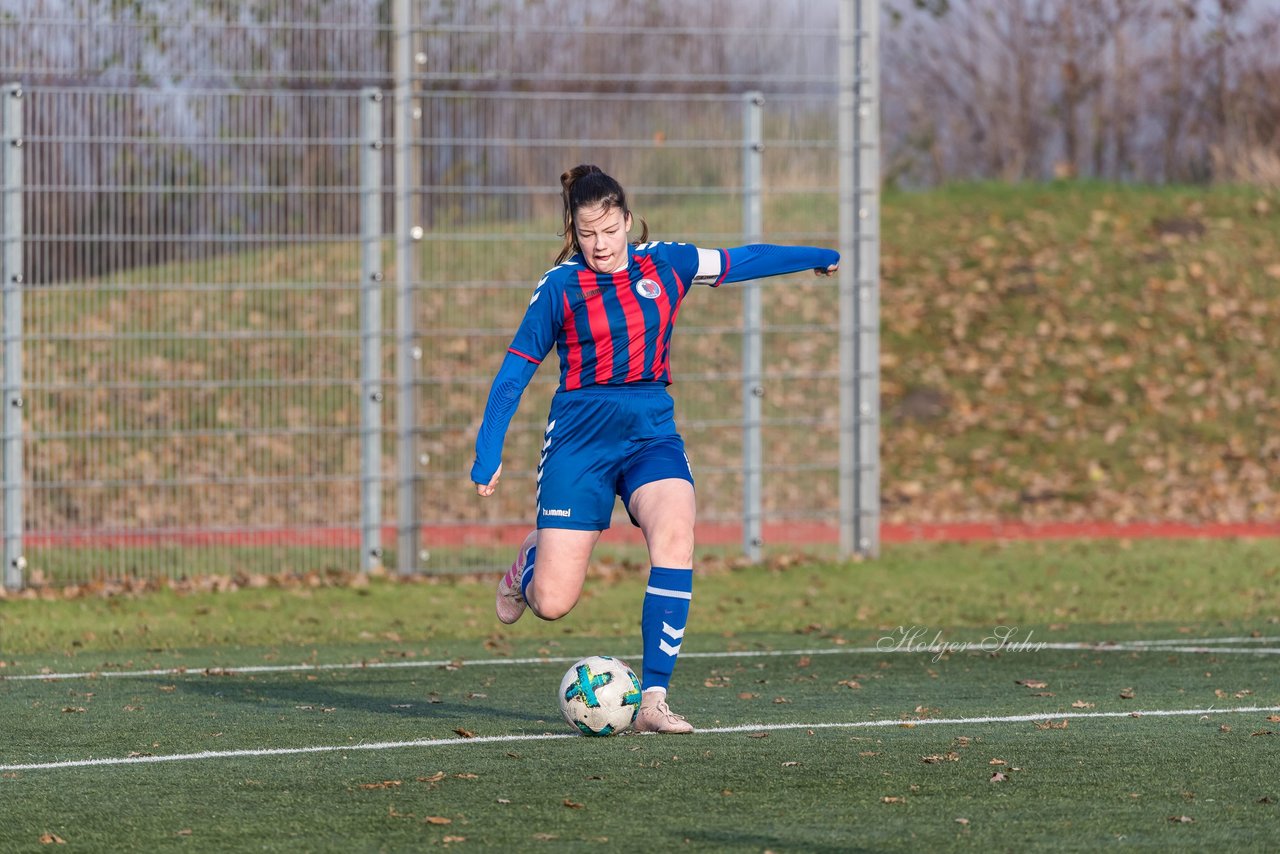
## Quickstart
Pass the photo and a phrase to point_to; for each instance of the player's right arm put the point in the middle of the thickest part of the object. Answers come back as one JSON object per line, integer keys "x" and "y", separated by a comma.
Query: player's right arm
{"x": 504, "y": 397}
{"x": 533, "y": 341}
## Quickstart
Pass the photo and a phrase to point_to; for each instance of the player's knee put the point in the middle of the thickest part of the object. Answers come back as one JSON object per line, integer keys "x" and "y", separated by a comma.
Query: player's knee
{"x": 550, "y": 604}
{"x": 672, "y": 545}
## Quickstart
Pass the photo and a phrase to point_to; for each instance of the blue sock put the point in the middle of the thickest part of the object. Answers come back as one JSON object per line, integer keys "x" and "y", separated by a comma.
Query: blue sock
{"x": 527, "y": 575}
{"x": 662, "y": 622}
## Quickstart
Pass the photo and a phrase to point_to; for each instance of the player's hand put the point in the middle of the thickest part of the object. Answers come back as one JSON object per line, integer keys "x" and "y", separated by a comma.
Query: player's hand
{"x": 827, "y": 272}
{"x": 484, "y": 490}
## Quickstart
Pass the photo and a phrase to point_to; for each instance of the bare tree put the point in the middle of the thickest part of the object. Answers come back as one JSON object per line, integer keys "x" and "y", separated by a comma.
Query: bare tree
{"x": 1121, "y": 89}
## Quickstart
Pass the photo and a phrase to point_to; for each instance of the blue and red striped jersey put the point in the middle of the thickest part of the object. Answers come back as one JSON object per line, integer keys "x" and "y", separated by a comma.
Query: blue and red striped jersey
{"x": 614, "y": 328}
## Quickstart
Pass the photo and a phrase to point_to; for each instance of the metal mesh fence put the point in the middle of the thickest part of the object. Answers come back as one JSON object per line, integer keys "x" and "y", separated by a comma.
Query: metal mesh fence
{"x": 192, "y": 330}
{"x": 210, "y": 378}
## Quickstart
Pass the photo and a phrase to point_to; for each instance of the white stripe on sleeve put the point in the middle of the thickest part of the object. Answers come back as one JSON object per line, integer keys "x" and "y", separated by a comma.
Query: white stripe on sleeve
{"x": 708, "y": 267}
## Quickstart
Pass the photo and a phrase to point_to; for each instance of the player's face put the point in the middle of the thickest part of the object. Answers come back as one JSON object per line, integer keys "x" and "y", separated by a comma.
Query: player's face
{"x": 602, "y": 236}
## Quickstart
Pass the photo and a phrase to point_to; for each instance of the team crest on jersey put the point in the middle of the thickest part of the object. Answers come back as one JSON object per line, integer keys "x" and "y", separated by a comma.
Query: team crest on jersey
{"x": 648, "y": 288}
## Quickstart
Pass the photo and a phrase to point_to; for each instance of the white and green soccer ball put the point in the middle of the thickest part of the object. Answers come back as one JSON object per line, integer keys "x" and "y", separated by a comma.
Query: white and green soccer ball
{"x": 600, "y": 695}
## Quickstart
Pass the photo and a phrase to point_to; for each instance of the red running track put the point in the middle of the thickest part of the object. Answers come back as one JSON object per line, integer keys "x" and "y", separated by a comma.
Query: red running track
{"x": 797, "y": 534}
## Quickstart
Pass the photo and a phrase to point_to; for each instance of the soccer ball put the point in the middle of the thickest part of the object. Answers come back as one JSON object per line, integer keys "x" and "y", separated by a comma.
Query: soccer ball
{"x": 599, "y": 695}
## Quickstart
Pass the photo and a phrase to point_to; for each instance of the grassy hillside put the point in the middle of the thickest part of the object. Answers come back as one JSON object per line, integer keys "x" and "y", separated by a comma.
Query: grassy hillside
{"x": 1058, "y": 352}
{"x": 1081, "y": 351}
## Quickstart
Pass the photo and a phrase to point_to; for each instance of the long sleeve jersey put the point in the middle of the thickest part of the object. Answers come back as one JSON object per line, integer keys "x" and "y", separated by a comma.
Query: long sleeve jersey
{"x": 615, "y": 328}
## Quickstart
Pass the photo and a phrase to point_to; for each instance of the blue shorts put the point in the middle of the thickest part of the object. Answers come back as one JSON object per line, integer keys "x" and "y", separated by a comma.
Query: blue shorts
{"x": 603, "y": 442}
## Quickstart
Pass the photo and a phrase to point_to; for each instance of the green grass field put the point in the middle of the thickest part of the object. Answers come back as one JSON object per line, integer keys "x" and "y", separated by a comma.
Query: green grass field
{"x": 1049, "y": 352}
{"x": 1133, "y": 701}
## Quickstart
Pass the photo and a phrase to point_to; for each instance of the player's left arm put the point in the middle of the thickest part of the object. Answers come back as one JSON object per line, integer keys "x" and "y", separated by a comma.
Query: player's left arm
{"x": 761, "y": 260}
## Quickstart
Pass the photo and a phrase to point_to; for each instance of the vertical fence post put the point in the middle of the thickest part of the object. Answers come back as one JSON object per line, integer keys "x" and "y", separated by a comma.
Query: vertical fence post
{"x": 11, "y": 143}
{"x": 407, "y": 353}
{"x": 371, "y": 396}
{"x": 858, "y": 131}
{"x": 868, "y": 273}
{"x": 752, "y": 338}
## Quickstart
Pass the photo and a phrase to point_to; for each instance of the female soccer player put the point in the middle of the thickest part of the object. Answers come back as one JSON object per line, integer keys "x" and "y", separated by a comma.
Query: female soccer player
{"x": 608, "y": 308}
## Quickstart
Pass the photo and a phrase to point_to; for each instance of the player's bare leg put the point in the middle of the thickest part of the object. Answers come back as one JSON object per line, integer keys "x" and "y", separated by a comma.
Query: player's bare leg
{"x": 556, "y": 583}
{"x": 547, "y": 574}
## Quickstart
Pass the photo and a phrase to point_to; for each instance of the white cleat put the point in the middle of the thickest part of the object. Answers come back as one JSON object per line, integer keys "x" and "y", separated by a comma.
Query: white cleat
{"x": 656, "y": 716}
{"x": 509, "y": 602}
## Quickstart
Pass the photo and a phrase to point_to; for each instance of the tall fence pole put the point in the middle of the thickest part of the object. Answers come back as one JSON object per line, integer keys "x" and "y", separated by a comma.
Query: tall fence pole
{"x": 868, "y": 124}
{"x": 408, "y": 354}
{"x": 371, "y": 395}
{"x": 12, "y": 143}
{"x": 752, "y": 338}
{"x": 859, "y": 284}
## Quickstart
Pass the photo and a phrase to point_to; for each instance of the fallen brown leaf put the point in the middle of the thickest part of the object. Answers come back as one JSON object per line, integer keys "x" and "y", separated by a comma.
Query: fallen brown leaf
{"x": 465, "y": 733}
{"x": 52, "y": 839}
{"x": 573, "y": 805}
{"x": 935, "y": 758}
{"x": 437, "y": 819}
{"x": 434, "y": 778}
{"x": 1081, "y": 704}
{"x": 892, "y": 799}
{"x": 385, "y": 784}
{"x": 998, "y": 777}
{"x": 1032, "y": 683}
{"x": 1181, "y": 819}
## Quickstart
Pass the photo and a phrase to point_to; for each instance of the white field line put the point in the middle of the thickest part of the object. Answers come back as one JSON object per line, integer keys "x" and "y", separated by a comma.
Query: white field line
{"x": 895, "y": 645}
{"x": 509, "y": 739}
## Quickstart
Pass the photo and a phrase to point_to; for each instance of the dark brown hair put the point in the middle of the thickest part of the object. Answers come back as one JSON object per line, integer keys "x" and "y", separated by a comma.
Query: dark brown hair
{"x": 583, "y": 186}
